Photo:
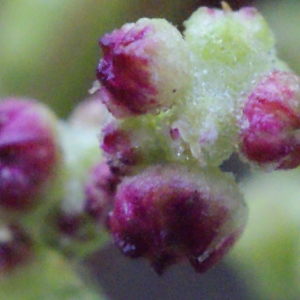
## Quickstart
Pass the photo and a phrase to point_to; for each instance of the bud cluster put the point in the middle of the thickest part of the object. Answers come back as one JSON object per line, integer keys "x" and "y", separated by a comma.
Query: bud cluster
{"x": 75, "y": 224}
{"x": 170, "y": 108}
{"x": 181, "y": 105}
{"x": 55, "y": 190}
{"x": 29, "y": 162}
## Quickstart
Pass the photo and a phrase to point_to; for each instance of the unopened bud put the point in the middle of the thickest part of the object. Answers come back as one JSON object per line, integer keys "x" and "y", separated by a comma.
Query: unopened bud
{"x": 29, "y": 152}
{"x": 171, "y": 212}
{"x": 270, "y": 131}
{"x": 100, "y": 189}
{"x": 140, "y": 72}
{"x": 119, "y": 149}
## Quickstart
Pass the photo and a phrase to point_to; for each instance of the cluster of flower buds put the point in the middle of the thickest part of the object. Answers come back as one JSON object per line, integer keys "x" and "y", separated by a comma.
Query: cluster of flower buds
{"x": 29, "y": 162}
{"x": 76, "y": 225}
{"x": 181, "y": 105}
{"x": 55, "y": 190}
{"x": 171, "y": 109}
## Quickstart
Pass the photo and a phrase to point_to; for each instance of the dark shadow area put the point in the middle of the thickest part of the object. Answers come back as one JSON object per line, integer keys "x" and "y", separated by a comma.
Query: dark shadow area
{"x": 237, "y": 167}
{"x": 124, "y": 279}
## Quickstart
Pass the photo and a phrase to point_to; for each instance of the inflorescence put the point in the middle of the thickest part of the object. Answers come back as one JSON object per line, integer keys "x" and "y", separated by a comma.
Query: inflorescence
{"x": 169, "y": 109}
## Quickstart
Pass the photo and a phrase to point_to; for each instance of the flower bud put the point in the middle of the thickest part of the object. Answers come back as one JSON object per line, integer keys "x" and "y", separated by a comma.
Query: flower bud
{"x": 171, "y": 212}
{"x": 100, "y": 189}
{"x": 16, "y": 248}
{"x": 271, "y": 122}
{"x": 119, "y": 150}
{"x": 29, "y": 152}
{"x": 132, "y": 143}
{"x": 140, "y": 72}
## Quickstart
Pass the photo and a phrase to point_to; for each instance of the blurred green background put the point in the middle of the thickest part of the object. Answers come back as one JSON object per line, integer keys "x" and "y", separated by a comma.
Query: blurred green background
{"x": 49, "y": 51}
{"x": 49, "y": 48}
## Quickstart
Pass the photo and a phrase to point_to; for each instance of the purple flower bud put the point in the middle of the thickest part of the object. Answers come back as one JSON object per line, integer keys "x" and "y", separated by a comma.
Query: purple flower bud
{"x": 136, "y": 66}
{"x": 271, "y": 125}
{"x": 172, "y": 212}
{"x": 16, "y": 248}
{"x": 119, "y": 149}
{"x": 71, "y": 225}
{"x": 175, "y": 133}
{"x": 129, "y": 145}
{"x": 28, "y": 152}
{"x": 100, "y": 190}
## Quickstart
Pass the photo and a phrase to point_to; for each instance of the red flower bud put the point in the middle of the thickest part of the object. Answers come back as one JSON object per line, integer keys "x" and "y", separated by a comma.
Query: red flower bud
{"x": 28, "y": 152}
{"x": 171, "y": 212}
{"x": 119, "y": 149}
{"x": 136, "y": 64}
{"x": 100, "y": 190}
{"x": 269, "y": 133}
